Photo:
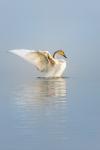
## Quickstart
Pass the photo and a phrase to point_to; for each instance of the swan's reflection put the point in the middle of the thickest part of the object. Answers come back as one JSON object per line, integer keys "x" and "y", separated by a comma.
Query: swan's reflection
{"x": 41, "y": 91}
{"x": 51, "y": 87}
{"x": 41, "y": 105}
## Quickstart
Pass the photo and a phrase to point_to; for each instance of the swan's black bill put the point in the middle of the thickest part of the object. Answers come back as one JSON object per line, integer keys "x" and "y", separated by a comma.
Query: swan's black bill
{"x": 65, "y": 56}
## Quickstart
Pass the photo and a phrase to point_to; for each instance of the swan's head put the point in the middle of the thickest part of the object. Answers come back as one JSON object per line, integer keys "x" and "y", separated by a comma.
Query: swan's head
{"x": 60, "y": 52}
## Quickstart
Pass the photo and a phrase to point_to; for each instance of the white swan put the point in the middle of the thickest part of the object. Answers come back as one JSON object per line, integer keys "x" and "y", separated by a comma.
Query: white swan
{"x": 44, "y": 61}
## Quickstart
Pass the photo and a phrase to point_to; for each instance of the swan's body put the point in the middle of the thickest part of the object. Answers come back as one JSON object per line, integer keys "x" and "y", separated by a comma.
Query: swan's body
{"x": 44, "y": 61}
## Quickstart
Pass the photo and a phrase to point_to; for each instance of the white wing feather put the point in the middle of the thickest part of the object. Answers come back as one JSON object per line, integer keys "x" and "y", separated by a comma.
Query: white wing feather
{"x": 37, "y": 58}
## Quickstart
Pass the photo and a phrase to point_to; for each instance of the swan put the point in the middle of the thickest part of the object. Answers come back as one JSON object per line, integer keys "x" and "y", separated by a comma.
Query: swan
{"x": 44, "y": 61}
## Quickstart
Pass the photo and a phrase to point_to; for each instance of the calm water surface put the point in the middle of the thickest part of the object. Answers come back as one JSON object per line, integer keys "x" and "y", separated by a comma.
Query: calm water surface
{"x": 38, "y": 113}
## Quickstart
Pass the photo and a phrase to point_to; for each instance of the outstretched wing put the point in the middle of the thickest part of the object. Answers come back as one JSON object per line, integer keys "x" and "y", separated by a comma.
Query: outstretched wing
{"x": 38, "y": 58}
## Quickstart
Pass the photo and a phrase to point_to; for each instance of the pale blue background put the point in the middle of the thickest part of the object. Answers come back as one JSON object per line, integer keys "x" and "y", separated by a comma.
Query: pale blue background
{"x": 72, "y": 25}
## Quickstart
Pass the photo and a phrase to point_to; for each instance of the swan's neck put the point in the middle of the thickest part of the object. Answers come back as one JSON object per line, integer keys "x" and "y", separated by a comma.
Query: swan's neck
{"x": 55, "y": 53}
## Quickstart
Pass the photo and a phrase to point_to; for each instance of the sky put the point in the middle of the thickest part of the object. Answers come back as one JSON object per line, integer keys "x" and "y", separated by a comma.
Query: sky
{"x": 72, "y": 25}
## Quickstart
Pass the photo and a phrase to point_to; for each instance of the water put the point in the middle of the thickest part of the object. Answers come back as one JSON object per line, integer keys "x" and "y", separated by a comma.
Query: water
{"x": 38, "y": 113}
